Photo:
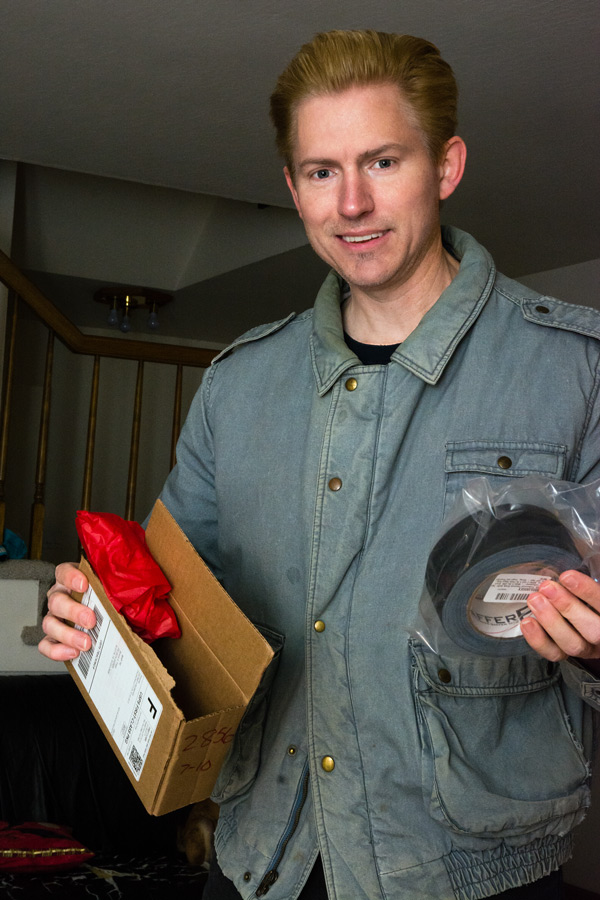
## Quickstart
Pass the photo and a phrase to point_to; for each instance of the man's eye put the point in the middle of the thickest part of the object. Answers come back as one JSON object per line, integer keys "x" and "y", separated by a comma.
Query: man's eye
{"x": 383, "y": 163}
{"x": 322, "y": 173}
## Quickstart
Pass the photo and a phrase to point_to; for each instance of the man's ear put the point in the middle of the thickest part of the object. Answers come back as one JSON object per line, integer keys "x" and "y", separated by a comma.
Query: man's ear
{"x": 452, "y": 166}
{"x": 293, "y": 191}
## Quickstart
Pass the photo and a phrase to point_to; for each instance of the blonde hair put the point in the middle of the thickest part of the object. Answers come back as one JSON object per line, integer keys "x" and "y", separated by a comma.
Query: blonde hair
{"x": 336, "y": 60}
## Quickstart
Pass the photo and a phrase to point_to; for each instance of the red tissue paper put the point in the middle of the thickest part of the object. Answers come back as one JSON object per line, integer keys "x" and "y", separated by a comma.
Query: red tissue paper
{"x": 133, "y": 581}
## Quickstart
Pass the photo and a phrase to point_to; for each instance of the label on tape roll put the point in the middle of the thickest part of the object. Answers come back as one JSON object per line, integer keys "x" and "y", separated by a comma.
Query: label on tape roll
{"x": 497, "y": 606}
{"x": 513, "y": 587}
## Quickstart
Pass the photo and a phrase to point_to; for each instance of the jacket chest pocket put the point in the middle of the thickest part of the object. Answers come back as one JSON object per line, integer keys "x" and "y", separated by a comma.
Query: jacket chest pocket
{"x": 499, "y": 758}
{"x": 498, "y": 460}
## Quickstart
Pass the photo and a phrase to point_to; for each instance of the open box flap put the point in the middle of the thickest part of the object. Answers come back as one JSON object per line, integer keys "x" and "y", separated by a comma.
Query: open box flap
{"x": 240, "y": 648}
{"x": 203, "y": 685}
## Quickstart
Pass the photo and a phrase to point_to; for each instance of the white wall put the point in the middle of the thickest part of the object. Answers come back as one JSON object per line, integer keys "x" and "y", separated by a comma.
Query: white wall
{"x": 123, "y": 231}
{"x": 576, "y": 284}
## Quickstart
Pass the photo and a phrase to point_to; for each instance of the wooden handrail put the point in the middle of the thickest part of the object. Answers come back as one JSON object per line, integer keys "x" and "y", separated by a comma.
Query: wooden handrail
{"x": 78, "y": 342}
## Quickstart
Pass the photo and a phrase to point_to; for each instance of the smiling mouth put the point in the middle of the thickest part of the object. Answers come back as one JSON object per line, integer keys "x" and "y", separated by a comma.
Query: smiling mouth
{"x": 361, "y": 238}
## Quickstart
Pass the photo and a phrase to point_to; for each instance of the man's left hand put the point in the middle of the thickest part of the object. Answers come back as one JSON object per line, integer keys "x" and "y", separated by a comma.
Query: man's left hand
{"x": 567, "y": 618}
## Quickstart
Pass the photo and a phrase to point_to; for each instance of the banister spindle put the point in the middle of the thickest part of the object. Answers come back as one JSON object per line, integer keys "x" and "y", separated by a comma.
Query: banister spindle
{"x": 86, "y": 497}
{"x": 135, "y": 444}
{"x": 6, "y": 401}
{"x": 176, "y": 413}
{"x": 36, "y": 538}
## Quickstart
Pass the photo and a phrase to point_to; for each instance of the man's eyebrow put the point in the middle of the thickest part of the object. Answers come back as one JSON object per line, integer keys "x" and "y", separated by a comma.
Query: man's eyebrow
{"x": 325, "y": 163}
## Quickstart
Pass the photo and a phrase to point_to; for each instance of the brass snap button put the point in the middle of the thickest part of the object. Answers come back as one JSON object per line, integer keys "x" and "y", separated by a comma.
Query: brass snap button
{"x": 444, "y": 676}
{"x": 335, "y": 484}
{"x": 328, "y": 763}
{"x": 505, "y": 462}
{"x": 351, "y": 384}
{"x": 319, "y": 625}
{"x": 247, "y": 876}
{"x": 291, "y": 750}
{"x": 542, "y": 309}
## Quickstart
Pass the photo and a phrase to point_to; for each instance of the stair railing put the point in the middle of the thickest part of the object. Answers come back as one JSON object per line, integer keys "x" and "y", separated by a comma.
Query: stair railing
{"x": 59, "y": 326}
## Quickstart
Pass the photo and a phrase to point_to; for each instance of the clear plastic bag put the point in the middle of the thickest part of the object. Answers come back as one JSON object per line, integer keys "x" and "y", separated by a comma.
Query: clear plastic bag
{"x": 496, "y": 547}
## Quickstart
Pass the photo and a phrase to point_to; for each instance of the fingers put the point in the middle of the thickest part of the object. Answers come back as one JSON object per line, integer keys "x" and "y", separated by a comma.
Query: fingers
{"x": 57, "y": 651}
{"x": 540, "y": 641}
{"x": 69, "y": 578}
{"x": 567, "y": 618}
{"x": 582, "y": 586}
{"x": 62, "y": 640}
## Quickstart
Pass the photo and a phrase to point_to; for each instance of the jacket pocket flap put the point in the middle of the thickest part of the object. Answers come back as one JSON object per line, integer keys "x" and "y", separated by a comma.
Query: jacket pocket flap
{"x": 511, "y": 458}
{"x": 480, "y": 676}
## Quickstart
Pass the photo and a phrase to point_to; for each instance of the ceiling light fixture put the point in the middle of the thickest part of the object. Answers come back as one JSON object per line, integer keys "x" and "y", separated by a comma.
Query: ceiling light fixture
{"x": 123, "y": 301}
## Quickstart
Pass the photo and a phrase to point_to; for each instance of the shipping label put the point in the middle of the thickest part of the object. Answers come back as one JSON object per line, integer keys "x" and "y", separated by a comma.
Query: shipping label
{"x": 118, "y": 688}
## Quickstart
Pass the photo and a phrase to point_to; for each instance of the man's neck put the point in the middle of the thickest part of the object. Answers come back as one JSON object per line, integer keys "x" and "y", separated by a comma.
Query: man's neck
{"x": 388, "y": 316}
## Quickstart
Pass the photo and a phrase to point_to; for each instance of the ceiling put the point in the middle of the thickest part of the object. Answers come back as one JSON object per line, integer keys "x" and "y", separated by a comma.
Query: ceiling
{"x": 144, "y": 126}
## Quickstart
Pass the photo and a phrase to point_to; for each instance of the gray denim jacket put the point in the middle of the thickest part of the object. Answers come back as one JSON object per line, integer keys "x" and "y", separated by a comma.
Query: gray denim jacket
{"x": 313, "y": 486}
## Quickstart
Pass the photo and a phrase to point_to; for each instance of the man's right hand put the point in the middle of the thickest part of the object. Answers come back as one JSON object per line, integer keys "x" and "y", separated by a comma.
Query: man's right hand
{"x": 62, "y": 640}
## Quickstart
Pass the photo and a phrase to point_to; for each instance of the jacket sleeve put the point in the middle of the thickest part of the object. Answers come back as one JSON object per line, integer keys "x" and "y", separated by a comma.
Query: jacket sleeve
{"x": 189, "y": 491}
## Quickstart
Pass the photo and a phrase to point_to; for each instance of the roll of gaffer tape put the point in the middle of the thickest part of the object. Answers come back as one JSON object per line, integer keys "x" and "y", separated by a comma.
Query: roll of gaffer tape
{"x": 465, "y": 561}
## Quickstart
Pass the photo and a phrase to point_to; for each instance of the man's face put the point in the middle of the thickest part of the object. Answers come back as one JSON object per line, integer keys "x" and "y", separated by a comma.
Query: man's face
{"x": 366, "y": 187}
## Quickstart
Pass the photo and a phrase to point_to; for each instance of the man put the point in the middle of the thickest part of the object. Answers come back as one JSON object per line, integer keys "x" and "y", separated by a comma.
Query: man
{"x": 315, "y": 467}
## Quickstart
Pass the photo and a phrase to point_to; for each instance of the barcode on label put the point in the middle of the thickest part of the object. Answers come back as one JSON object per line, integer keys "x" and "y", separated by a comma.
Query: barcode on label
{"x": 85, "y": 658}
{"x": 512, "y": 598}
{"x": 136, "y": 760}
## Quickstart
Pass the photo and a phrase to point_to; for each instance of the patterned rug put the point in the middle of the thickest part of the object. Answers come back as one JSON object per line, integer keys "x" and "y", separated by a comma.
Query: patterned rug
{"x": 109, "y": 877}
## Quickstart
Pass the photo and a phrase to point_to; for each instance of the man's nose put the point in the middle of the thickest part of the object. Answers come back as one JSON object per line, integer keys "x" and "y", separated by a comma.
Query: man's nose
{"x": 355, "y": 197}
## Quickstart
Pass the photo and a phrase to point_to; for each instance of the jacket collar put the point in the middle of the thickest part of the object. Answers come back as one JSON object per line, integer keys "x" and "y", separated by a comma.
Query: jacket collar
{"x": 428, "y": 349}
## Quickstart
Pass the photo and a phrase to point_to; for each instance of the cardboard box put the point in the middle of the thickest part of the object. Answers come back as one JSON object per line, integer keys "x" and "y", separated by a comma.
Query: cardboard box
{"x": 170, "y": 710}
